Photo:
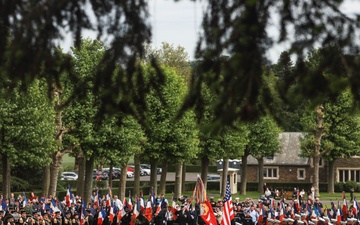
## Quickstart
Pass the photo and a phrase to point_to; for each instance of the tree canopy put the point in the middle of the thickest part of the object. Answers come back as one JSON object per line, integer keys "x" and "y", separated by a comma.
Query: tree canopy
{"x": 30, "y": 33}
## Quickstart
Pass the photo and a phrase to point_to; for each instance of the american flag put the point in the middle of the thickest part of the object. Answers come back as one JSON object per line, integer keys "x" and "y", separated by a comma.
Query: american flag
{"x": 228, "y": 213}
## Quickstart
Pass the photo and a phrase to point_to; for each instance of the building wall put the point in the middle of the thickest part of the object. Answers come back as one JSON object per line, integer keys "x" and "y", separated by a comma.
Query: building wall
{"x": 288, "y": 174}
{"x": 351, "y": 165}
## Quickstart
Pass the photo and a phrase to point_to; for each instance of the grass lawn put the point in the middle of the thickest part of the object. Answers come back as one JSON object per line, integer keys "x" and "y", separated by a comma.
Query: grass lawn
{"x": 255, "y": 195}
{"x": 68, "y": 161}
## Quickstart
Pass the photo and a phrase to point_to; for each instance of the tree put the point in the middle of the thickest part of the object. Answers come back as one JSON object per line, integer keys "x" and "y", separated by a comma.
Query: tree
{"x": 239, "y": 30}
{"x": 263, "y": 141}
{"x": 314, "y": 120}
{"x": 176, "y": 58}
{"x": 339, "y": 136}
{"x": 167, "y": 137}
{"x": 29, "y": 33}
{"x": 169, "y": 56}
{"x": 120, "y": 142}
{"x": 82, "y": 115}
{"x": 232, "y": 145}
{"x": 26, "y": 129}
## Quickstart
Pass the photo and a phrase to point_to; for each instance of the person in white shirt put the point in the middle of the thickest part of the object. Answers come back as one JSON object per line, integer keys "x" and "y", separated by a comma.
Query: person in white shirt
{"x": 267, "y": 193}
{"x": 118, "y": 203}
{"x": 254, "y": 214}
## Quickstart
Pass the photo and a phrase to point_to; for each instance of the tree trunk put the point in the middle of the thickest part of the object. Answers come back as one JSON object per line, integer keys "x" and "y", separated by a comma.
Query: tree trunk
{"x": 261, "y": 174}
{"x": 331, "y": 177}
{"x": 316, "y": 160}
{"x": 204, "y": 169}
{"x": 122, "y": 183}
{"x": 153, "y": 175}
{"x": 224, "y": 177}
{"x": 243, "y": 174}
{"x": 6, "y": 175}
{"x": 163, "y": 178}
{"x": 80, "y": 184}
{"x": 183, "y": 178}
{"x": 46, "y": 180}
{"x": 58, "y": 137}
{"x": 55, "y": 167}
{"x": 136, "y": 175}
{"x": 178, "y": 173}
{"x": 319, "y": 132}
{"x": 89, "y": 167}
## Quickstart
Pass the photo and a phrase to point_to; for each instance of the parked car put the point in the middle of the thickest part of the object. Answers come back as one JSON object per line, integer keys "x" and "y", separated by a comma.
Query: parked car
{"x": 116, "y": 172}
{"x": 100, "y": 175}
{"x": 147, "y": 166}
{"x": 129, "y": 174}
{"x": 143, "y": 172}
{"x": 213, "y": 177}
{"x": 69, "y": 176}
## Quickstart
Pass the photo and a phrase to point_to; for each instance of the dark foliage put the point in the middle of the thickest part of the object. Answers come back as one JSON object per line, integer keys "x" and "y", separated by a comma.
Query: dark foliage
{"x": 30, "y": 31}
{"x": 239, "y": 29}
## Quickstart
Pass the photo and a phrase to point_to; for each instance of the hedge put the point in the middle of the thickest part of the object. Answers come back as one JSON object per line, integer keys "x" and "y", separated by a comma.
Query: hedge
{"x": 193, "y": 169}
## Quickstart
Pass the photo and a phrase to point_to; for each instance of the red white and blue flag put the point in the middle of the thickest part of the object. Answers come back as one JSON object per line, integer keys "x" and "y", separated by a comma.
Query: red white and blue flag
{"x": 101, "y": 217}
{"x": 96, "y": 198}
{"x": 108, "y": 197}
{"x": 228, "y": 213}
{"x": 68, "y": 196}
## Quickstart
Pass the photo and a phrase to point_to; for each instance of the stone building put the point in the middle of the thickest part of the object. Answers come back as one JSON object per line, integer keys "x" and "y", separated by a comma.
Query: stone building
{"x": 288, "y": 166}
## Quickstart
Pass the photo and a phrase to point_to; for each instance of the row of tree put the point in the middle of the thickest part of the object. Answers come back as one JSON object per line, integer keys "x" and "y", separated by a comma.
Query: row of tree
{"x": 38, "y": 130}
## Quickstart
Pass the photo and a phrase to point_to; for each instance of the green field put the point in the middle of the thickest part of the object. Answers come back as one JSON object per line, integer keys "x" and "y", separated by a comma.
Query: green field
{"x": 68, "y": 162}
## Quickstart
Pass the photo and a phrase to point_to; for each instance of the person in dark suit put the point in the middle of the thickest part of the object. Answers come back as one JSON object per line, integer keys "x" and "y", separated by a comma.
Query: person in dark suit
{"x": 182, "y": 215}
{"x": 89, "y": 218}
{"x": 126, "y": 219}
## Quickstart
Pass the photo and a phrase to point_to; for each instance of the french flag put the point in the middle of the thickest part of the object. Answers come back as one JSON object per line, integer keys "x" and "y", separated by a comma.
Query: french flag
{"x": 281, "y": 216}
{"x": 82, "y": 212}
{"x": 356, "y": 207}
{"x": 111, "y": 214}
{"x": 108, "y": 200}
{"x": 148, "y": 210}
{"x": 134, "y": 215}
{"x": 96, "y": 199}
{"x": 344, "y": 209}
{"x": 130, "y": 204}
{"x": 68, "y": 196}
{"x": 101, "y": 217}
{"x": 338, "y": 217}
{"x": 261, "y": 214}
{"x": 141, "y": 204}
{"x": 173, "y": 209}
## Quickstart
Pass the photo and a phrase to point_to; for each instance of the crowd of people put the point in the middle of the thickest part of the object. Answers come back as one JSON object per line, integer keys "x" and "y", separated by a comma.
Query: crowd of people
{"x": 269, "y": 209}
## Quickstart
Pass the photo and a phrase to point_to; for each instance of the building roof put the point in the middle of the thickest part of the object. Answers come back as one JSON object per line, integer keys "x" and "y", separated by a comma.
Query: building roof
{"x": 288, "y": 154}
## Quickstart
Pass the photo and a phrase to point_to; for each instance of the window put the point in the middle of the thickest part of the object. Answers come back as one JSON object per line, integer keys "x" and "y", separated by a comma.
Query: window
{"x": 301, "y": 174}
{"x": 271, "y": 173}
{"x": 321, "y": 162}
{"x": 270, "y": 157}
{"x": 345, "y": 175}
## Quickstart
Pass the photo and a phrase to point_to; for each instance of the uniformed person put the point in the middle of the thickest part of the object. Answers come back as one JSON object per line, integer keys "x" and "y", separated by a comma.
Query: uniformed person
{"x": 75, "y": 219}
{"x": 22, "y": 218}
{"x": 89, "y": 218}
{"x": 67, "y": 218}
{"x": 247, "y": 219}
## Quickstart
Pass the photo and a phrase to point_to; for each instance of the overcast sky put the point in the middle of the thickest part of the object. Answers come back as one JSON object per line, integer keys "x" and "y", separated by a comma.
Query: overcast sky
{"x": 178, "y": 23}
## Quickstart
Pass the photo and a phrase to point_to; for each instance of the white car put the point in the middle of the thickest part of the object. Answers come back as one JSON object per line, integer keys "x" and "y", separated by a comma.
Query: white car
{"x": 148, "y": 167}
{"x": 129, "y": 174}
{"x": 69, "y": 176}
{"x": 145, "y": 170}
